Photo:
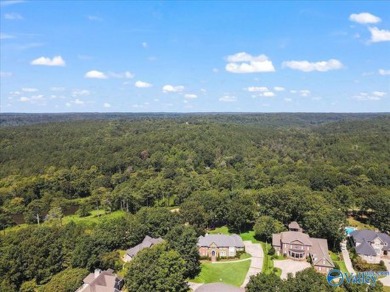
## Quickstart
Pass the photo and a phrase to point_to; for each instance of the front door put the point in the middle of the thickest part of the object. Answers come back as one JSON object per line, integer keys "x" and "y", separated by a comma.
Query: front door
{"x": 213, "y": 256}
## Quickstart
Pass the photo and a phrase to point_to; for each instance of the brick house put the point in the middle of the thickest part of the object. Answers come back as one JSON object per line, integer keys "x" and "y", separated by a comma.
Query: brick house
{"x": 220, "y": 245}
{"x": 370, "y": 245}
{"x": 297, "y": 245}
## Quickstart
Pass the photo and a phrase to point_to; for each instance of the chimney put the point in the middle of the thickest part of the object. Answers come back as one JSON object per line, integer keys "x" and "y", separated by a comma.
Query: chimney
{"x": 97, "y": 272}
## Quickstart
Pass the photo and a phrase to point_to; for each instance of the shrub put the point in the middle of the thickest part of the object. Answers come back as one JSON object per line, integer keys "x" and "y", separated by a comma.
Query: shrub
{"x": 271, "y": 251}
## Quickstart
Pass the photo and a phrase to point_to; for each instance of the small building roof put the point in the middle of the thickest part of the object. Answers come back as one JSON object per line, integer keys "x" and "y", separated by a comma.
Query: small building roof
{"x": 294, "y": 225}
{"x": 221, "y": 240}
{"x": 146, "y": 243}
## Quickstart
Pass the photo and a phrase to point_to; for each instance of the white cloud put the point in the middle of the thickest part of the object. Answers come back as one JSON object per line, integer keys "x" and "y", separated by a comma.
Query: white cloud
{"x": 10, "y": 2}
{"x": 94, "y": 18}
{"x": 124, "y": 75}
{"x": 13, "y": 16}
{"x": 304, "y": 92}
{"x": 145, "y": 45}
{"x": 43, "y": 61}
{"x": 94, "y": 74}
{"x": 257, "y": 89}
{"x": 245, "y": 63}
{"x": 279, "y": 88}
{"x": 293, "y": 91}
{"x": 5, "y": 74}
{"x": 33, "y": 99}
{"x": 78, "y": 101}
{"x": 321, "y": 66}
{"x": 215, "y": 70}
{"x": 170, "y": 88}
{"x": 190, "y": 96}
{"x": 24, "y": 99}
{"x": 364, "y": 18}
{"x": 27, "y": 89}
{"x": 54, "y": 88}
{"x": 379, "y": 93}
{"x": 106, "y": 105}
{"x": 228, "y": 98}
{"x": 68, "y": 104}
{"x": 80, "y": 92}
{"x": 4, "y": 36}
{"x": 268, "y": 94}
{"x": 384, "y": 72}
{"x": 142, "y": 84}
{"x": 379, "y": 35}
{"x": 373, "y": 96}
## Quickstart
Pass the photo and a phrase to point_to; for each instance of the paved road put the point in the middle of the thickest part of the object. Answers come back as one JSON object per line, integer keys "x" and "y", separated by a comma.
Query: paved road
{"x": 386, "y": 280}
{"x": 255, "y": 250}
{"x": 347, "y": 261}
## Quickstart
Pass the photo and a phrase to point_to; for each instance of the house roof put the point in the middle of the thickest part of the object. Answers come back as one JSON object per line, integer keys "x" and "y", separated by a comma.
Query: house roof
{"x": 294, "y": 225}
{"x": 101, "y": 281}
{"x": 221, "y": 240}
{"x": 319, "y": 253}
{"x": 276, "y": 239}
{"x": 147, "y": 242}
{"x": 291, "y": 236}
{"x": 369, "y": 235}
{"x": 365, "y": 248}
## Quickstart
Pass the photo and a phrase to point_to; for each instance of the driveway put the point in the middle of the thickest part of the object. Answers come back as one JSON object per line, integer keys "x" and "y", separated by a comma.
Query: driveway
{"x": 347, "y": 260}
{"x": 386, "y": 280}
{"x": 290, "y": 266}
{"x": 255, "y": 250}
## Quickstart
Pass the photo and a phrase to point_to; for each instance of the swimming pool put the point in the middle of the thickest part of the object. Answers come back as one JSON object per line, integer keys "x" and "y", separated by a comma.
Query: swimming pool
{"x": 349, "y": 229}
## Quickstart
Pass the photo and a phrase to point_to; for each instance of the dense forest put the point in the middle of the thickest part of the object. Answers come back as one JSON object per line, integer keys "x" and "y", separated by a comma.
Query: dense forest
{"x": 214, "y": 169}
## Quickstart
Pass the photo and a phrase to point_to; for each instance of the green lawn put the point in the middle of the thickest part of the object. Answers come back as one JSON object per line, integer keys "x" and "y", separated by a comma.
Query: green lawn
{"x": 337, "y": 260}
{"x": 229, "y": 273}
{"x": 93, "y": 218}
{"x": 220, "y": 230}
{"x": 360, "y": 225}
{"x": 250, "y": 236}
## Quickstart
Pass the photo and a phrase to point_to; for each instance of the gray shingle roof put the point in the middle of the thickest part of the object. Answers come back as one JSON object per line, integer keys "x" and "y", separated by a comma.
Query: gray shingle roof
{"x": 147, "y": 242}
{"x": 365, "y": 248}
{"x": 221, "y": 240}
{"x": 319, "y": 253}
{"x": 364, "y": 237}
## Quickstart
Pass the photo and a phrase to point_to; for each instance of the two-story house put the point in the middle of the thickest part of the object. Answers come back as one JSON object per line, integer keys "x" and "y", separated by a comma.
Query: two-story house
{"x": 370, "y": 245}
{"x": 297, "y": 245}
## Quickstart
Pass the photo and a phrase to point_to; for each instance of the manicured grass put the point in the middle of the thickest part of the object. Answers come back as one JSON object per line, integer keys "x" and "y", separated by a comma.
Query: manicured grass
{"x": 229, "y": 273}
{"x": 268, "y": 263}
{"x": 249, "y": 236}
{"x": 360, "y": 225}
{"x": 337, "y": 260}
{"x": 220, "y": 230}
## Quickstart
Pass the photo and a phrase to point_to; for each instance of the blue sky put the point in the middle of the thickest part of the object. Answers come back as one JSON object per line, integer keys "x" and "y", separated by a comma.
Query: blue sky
{"x": 204, "y": 56}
